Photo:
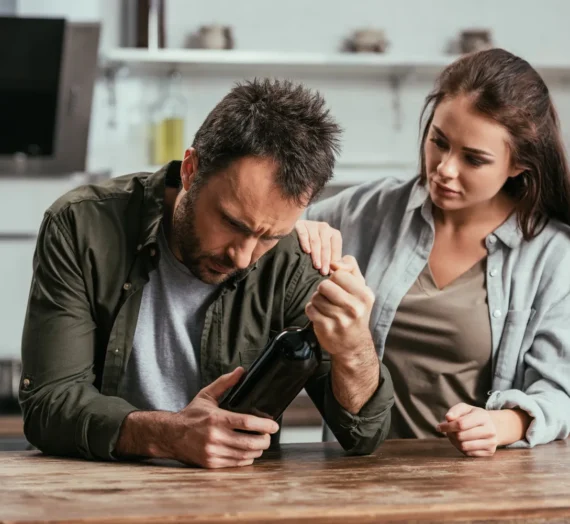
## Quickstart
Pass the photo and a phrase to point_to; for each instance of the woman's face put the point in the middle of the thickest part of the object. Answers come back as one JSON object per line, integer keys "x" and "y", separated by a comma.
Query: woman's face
{"x": 467, "y": 156}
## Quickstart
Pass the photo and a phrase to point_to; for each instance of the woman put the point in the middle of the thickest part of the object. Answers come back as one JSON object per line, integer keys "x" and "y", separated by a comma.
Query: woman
{"x": 469, "y": 262}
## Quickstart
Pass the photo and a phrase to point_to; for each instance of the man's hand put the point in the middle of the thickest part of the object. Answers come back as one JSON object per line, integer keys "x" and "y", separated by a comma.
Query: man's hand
{"x": 471, "y": 430}
{"x": 340, "y": 312}
{"x": 202, "y": 433}
{"x": 323, "y": 242}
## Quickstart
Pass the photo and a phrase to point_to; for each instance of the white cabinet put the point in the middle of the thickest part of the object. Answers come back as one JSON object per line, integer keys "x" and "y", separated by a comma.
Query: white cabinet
{"x": 15, "y": 274}
{"x": 22, "y": 205}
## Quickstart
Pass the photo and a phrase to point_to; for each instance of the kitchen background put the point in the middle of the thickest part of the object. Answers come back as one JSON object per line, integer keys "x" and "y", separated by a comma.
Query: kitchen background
{"x": 376, "y": 97}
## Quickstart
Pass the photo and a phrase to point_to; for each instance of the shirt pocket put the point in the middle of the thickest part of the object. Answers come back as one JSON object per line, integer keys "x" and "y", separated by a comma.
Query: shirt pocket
{"x": 512, "y": 339}
{"x": 247, "y": 356}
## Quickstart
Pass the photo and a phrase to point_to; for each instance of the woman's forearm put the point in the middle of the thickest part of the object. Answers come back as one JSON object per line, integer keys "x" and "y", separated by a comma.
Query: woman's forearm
{"x": 511, "y": 424}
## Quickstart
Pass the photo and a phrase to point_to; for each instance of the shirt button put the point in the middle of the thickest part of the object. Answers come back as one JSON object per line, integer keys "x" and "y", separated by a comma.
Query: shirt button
{"x": 497, "y": 313}
{"x": 116, "y": 350}
{"x": 493, "y": 272}
{"x": 139, "y": 247}
{"x": 127, "y": 286}
{"x": 26, "y": 383}
{"x": 492, "y": 239}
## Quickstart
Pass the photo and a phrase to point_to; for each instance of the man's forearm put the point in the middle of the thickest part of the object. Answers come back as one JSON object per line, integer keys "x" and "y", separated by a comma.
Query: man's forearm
{"x": 355, "y": 379}
{"x": 145, "y": 434}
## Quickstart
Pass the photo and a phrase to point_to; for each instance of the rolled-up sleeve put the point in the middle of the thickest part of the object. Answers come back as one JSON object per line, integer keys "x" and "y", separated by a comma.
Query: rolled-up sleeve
{"x": 545, "y": 394}
{"x": 358, "y": 434}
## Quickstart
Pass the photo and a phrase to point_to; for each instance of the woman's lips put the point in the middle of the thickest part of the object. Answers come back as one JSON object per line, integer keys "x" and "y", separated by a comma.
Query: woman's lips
{"x": 445, "y": 190}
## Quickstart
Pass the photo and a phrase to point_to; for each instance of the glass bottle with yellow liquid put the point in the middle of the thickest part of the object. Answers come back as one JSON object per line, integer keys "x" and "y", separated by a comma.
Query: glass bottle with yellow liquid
{"x": 168, "y": 123}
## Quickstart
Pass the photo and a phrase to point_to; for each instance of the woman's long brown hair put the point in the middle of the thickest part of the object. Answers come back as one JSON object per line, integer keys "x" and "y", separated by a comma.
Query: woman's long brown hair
{"x": 507, "y": 89}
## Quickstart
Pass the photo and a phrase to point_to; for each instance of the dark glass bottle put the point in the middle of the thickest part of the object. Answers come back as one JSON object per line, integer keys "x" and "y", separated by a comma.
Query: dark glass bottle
{"x": 277, "y": 375}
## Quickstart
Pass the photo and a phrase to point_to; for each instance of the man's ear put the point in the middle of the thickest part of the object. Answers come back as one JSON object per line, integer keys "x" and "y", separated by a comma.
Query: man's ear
{"x": 189, "y": 168}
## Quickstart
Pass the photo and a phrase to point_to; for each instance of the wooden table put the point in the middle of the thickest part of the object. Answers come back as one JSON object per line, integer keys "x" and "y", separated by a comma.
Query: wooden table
{"x": 422, "y": 481}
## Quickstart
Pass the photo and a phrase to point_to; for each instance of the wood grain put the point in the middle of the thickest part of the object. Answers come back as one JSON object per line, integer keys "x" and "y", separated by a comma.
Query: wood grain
{"x": 419, "y": 481}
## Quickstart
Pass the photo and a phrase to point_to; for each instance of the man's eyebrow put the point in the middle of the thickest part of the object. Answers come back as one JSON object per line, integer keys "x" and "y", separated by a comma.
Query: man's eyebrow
{"x": 244, "y": 228}
{"x": 238, "y": 224}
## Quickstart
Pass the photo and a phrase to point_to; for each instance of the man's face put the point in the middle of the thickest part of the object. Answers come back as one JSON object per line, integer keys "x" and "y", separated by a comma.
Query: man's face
{"x": 227, "y": 224}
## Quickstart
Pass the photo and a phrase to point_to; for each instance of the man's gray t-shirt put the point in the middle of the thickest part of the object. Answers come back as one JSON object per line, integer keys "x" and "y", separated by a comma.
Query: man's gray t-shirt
{"x": 163, "y": 372}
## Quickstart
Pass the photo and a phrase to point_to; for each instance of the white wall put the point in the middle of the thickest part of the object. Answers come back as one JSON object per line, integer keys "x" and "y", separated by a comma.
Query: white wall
{"x": 7, "y": 7}
{"x": 535, "y": 30}
{"x": 523, "y": 26}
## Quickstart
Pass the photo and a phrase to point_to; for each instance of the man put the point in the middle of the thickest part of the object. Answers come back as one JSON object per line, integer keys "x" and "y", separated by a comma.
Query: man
{"x": 152, "y": 290}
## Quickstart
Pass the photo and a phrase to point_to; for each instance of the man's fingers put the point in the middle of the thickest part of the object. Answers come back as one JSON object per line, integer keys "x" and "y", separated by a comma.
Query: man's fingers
{"x": 218, "y": 463}
{"x": 251, "y": 423}
{"x": 342, "y": 280}
{"x": 323, "y": 306}
{"x": 217, "y": 388}
{"x": 244, "y": 441}
{"x": 348, "y": 263}
{"x": 228, "y": 452}
{"x": 334, "y": 294}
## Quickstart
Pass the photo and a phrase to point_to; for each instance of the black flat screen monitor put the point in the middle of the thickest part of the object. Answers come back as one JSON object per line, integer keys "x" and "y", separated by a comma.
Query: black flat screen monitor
{"x": 30, "y": 63}
{"x": 47, "y": 72}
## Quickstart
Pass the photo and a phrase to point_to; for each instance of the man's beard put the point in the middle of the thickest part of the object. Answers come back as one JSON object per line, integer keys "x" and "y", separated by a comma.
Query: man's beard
{"x": 188, "y": 243}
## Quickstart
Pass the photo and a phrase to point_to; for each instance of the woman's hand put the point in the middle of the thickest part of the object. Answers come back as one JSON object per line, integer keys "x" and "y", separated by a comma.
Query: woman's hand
{"x": 323, "y": 242}
{"x": 471, "y": 430}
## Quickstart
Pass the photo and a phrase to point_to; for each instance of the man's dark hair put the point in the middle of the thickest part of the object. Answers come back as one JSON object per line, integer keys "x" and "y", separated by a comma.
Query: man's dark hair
{"x": 274, "y": 119}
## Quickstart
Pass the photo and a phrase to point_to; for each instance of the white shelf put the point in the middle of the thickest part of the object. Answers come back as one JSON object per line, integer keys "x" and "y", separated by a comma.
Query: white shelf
{"x": 203, "y": 59}
{"x": 224, "y": 60}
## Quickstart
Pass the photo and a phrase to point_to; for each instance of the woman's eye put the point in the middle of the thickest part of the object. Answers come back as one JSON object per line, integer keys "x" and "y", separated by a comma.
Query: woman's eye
{"x": 474, "y": 161}
{"x": 439, "y": 143}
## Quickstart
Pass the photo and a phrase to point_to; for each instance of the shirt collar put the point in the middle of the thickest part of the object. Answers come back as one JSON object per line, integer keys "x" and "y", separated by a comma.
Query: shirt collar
{"x": 508, "y": 232}
{"x": 418, "y": 195}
